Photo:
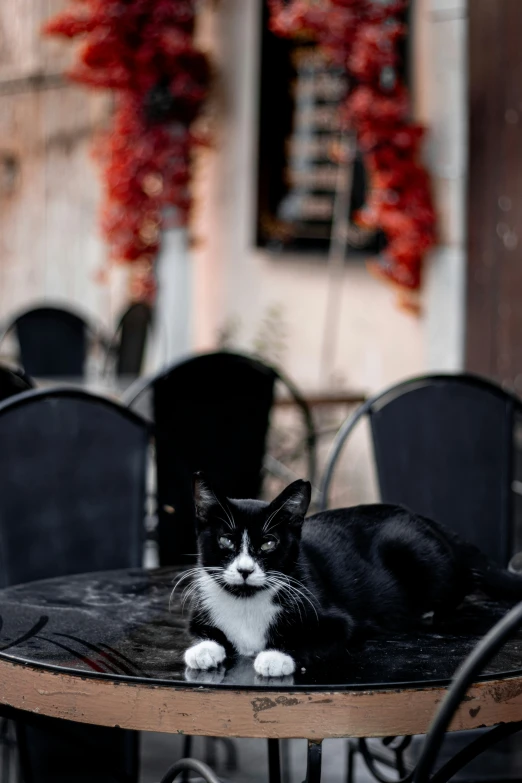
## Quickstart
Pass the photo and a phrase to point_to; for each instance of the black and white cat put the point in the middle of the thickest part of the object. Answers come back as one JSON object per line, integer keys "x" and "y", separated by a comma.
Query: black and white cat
{"x": 293, "y": 592}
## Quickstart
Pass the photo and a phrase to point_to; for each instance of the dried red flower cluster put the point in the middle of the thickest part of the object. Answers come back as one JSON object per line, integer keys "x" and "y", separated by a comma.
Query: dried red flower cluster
{"x": 144, "y": 51}
{"x": 363, "y": 37}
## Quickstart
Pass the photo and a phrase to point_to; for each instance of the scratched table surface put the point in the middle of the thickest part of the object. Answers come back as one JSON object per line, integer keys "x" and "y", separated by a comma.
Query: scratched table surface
{"x": 130, "y": 625}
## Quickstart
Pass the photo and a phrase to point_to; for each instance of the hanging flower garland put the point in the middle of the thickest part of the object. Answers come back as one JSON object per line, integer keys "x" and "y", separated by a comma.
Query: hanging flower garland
{"x": 363, "y": 37}
{"x": 144, "y": 51}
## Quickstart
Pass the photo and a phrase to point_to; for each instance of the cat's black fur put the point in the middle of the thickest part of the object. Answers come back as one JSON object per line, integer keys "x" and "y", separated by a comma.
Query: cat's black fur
{"x": 361, "y": 570}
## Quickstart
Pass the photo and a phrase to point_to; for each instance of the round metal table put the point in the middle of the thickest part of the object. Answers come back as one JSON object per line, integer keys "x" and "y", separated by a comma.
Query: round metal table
{"x": 107, "y": 649}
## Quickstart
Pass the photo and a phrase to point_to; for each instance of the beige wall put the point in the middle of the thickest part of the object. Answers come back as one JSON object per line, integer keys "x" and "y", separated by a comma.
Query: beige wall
{"x": 440, "y": 57}
{"x": 376, "y": 342}
{"x": 50, "y": 246}
{"x": 234, "y": 282}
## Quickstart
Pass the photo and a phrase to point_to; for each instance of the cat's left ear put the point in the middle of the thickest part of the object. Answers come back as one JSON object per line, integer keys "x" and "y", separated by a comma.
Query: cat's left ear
{"x": 294, "y": 500}
{"x": 205, "y": 498}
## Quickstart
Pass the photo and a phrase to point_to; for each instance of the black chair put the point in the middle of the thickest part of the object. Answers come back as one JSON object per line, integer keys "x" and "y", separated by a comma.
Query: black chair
{"x": 444, "y": 446}
{"x": 467, "y": 674}
{"x": 53, "y": 341}
{"x": 129, "y": 342}
{"x": 211, "y": 413}
{"x": 13, "y": 381}
{"x": 72, "y": 479}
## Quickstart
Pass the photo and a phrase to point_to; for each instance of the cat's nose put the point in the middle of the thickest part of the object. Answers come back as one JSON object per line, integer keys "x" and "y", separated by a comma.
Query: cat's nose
{"x": 245, "y": 572}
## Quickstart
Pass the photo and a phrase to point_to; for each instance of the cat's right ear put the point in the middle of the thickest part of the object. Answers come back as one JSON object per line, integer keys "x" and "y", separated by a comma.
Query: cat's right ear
{"x": 205, "y": 499}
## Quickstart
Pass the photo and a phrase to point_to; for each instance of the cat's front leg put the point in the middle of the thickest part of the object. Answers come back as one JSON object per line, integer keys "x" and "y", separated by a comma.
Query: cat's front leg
{"x": 299, "y": 647}
{"x": 210, "y": 651}
{"x": 204, "y": 655}
{"x": 274, "y": 663}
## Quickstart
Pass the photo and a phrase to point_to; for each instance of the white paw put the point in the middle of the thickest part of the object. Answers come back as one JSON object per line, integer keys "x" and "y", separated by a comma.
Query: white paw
{"x": 205, "y": 655}
{"x": 272, "y": 663}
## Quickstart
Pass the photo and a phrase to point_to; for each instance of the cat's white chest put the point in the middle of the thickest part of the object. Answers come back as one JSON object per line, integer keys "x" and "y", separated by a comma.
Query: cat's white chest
{"x": 244, "y": 621}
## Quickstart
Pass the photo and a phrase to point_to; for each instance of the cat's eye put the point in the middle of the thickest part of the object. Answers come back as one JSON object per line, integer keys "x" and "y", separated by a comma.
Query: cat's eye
{"x": 225, "y": 542}
{"x": 269, "y": 545}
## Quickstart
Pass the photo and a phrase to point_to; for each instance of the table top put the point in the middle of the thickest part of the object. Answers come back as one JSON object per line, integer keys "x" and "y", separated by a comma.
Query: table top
{"x": 108, "y": 648}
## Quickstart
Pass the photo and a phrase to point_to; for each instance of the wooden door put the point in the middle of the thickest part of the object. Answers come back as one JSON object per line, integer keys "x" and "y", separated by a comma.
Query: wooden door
{"x": 494, "y": 278}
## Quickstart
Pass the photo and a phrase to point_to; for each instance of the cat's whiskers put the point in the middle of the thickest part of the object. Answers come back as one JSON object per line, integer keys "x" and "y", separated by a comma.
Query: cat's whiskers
{"x": 187, "y": 594}
{"x": 226, "y": 511}
{"x": 301, "y": 591}
{"x": 281, "y": 586}
{"x": 194, "y": 588}
{"x": 225, "y": 522}
{"x": 299, "y": 584}
{"x": 266, "y": 529}
{"x": 185, "y": 575}
{"x": 191, "y": 573}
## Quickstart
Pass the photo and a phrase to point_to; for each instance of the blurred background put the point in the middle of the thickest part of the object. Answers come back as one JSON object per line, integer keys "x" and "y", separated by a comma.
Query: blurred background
{"x": 236, "y": 283}
{"x": 271, "y": 261}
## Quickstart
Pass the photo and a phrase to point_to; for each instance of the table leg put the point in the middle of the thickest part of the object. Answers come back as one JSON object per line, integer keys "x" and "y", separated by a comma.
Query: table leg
{"x": 313, "y": 765}
{"x": 284, "y": 746}
{"x": 274, "y": 761}
{"x": 187, "y": 753}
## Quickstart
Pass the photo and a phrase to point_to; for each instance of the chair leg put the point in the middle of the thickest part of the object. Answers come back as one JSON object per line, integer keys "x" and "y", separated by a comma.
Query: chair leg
{"x": 187, "y": 746}
{"x": 350, "y": 761}
{"x": 313, "y": 764}
{"x": 399, "y": 763}
{"x": 192, "y": 765}
{"x": 274, "y": 761}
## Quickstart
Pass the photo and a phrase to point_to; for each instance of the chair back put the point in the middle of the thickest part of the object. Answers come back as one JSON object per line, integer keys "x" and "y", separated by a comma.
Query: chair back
{"x": 211, "y": 413}
{"x": 444, "y": 447}
{"x": 131, "y": 339}
{"x": 72, "y": 478}
{"x": 13, "y": 382}
{"x": 52, "y": 342}
{"x": 72, "y": 497}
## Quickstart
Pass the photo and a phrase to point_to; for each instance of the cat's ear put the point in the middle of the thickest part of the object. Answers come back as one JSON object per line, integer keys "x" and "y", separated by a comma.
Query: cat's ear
{"x": 205, "y": 498}
{"x": 294, "y": 500}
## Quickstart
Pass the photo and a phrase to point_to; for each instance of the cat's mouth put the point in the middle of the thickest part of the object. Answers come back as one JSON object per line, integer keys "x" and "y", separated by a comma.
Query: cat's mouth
{"x": 243, "y": 590}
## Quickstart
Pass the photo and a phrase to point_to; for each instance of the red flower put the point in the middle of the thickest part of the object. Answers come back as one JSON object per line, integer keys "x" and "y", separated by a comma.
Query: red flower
{"x": 144, "y": 50}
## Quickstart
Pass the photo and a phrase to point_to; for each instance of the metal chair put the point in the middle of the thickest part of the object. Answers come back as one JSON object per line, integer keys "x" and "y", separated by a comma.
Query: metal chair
{"x": 128, "y": 345}
{"x": 444, "y": 446}
{"x": 467, "y": 674}
{"x": 211, "y": 413}
{"x": 72, "y": 496}
{"x": 13, "y": 381}
{"x": 53, "y": 341}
